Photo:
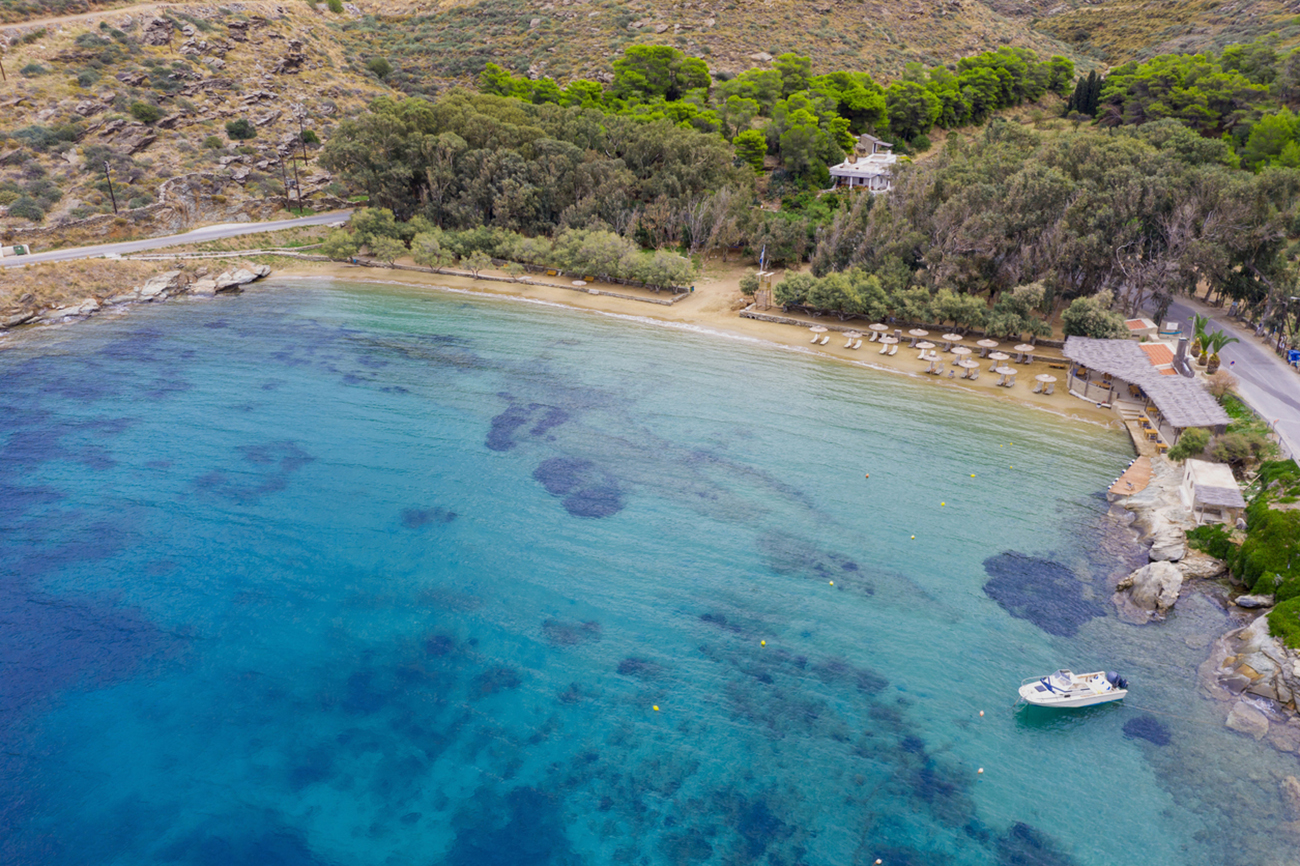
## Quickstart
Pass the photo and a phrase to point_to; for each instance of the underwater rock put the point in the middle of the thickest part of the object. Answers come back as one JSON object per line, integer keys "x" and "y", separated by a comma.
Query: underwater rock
{"x": 533, "y": 834}
{"x": 1149, "y": 592}
{"x": 1147, "y": 727}
{"x": 1291, "y": 797}
{"x": 1042, "y": 591}
{"x": 560, "y": 633}
{"x": 1251, "y": 602}
{"x": 588, "y": 490}
{"x": 1024, "y": 845}
{"x": 414, "y": 518}
{"x": 1247, "y": 720}
{"x": 495, "y": 679}
{"x": 640, "y": 668}
{"x": 501, "y": 436}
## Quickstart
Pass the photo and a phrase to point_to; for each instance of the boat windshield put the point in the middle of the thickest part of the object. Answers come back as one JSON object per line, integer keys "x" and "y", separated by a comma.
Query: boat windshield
{"x": 1062, "y": 679}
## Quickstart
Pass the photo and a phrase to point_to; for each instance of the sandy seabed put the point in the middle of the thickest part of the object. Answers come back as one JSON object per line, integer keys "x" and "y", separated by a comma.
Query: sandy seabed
{"x": 714, "y": 307}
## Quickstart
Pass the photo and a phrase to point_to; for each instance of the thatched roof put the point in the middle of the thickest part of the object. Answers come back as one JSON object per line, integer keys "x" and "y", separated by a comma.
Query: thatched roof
{"x": 1183, "y": 402}
{"x": 1214, "y": 484}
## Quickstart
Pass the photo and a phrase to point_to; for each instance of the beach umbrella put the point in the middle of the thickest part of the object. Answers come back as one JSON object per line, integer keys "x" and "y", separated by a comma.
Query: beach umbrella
{"x": 997, "y": 358}
{"x": 924, "y": 346}
{"x": 961, "y": 350}
{"x": 1004, "y": 372}
{"x": 1045, "y": 378}
{"x": 918, "y": 333}
{"x": 817, "y": 331}
{"x": 985, "y": 345}
{"x": 967, "y": 364}
{"x": 1024, "y": 349}
{"x": 949, "y": 339}
{"x": 850, "y": 336}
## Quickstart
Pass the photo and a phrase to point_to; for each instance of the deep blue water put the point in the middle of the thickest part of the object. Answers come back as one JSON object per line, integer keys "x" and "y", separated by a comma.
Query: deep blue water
{"x": 331, "y": 574}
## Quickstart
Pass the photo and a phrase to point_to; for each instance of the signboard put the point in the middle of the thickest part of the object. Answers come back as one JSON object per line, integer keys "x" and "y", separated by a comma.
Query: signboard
{"x": 1292, "y": 356}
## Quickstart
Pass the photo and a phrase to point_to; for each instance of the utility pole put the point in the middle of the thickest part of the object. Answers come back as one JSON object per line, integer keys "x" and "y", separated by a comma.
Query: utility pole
{"x": 285, "y": 177}
{"x": 298, "y": 112}
{"x": 296, "y": 184}
{"x": 108, "y": 174}
{"x": 3, "y": 77}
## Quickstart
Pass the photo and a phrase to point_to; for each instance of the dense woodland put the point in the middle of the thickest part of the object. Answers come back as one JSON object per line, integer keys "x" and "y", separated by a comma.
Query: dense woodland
{"x": 995, "y": 231}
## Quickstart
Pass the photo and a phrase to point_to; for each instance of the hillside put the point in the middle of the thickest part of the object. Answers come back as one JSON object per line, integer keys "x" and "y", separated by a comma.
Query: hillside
{"x": 152, "y": 93}
{"x": 1121, "y": 30}
{"x": 567, "y": 39}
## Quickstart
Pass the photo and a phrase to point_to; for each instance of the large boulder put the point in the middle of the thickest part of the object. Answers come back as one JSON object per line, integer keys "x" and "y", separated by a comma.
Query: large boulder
{"x": 1149, "y": 592}
{"x": 1197, "y": 565}
{"x": 1251, "y": 602}
{"x": 231, "y": 280}
{"x": 166, "y": 282}
{"x": 1259, "y": 664}
{"x": 1169, "y": 545}
{"x": 203, "y": 288}
{"x": 1247, "y": 720}
{"x": 157, "y": 32}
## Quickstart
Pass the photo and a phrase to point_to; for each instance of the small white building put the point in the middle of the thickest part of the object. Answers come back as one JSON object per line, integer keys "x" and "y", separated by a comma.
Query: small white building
{"x": 874, "y": 172}
{"x": 1211, "y": 492}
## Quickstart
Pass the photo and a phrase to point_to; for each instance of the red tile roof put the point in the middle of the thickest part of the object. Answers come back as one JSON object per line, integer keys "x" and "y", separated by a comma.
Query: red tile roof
{"x": 1159, "y": 353}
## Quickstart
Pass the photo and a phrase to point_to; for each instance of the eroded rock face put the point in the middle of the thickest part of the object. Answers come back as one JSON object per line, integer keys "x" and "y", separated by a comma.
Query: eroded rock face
{"x": 166, "y": 282}
{"x": 1159, "y": 513}
{"x": 157, "y": 32}
{"x": 1258, "y": 664}
{"x": 1149, "y": 592}
{"x": 234, "y": 279}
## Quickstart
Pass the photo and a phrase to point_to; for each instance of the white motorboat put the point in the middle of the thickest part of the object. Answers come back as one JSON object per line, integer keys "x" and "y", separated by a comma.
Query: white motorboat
{"x": 1065, "y": 689}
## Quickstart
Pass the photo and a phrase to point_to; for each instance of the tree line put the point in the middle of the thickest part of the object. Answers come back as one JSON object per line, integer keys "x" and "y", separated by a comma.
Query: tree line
{"x": 807, "y": 121}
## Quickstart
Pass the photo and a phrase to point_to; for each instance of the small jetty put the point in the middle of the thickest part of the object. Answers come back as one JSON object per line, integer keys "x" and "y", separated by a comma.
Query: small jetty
{"x": 1135, "y": 478}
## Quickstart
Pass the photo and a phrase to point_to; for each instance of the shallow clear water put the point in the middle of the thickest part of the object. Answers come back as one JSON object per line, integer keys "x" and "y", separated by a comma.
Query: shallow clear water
{"x": 343, "y": 574}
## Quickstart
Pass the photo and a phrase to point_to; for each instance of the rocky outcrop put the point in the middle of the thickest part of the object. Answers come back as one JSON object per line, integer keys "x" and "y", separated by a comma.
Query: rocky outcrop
{"x": 233, "y": 280}
{"x": 157, "y": 32}
{"x": 1196, "y": 565}
{"x": 1149, "y": 592}
{"x": 1160, "y": 516}
{"x": 165, "y": 283}
{"x": 1257, "y": 663}
{"x": 1253, "y": 602}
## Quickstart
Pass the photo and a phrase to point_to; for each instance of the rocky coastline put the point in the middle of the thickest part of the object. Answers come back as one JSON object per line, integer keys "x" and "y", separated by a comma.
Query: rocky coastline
{"x": 199, "y": 282}
{"x": 1254, "y": 675}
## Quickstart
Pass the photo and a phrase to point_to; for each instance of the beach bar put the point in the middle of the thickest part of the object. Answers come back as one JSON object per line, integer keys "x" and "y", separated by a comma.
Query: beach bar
{"x": 1125, "y": 374}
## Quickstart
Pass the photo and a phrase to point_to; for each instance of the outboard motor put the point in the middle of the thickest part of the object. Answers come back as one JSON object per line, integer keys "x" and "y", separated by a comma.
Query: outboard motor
{"x": 1116, "y": 680}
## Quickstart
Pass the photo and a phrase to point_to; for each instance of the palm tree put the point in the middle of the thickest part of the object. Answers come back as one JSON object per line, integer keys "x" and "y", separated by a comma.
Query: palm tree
{"x": 1198, "y": 337}
{"x": 1217, "y": 341}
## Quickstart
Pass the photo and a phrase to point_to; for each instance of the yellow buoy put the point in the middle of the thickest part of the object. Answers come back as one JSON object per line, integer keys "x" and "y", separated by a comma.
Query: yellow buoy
{"x": 832, "y": 583}
{"x": 762, "y": 643}
{"x": 972, "y": 475}
{"x": 656, "y": 706}
{"x": 914, "y": 538}
{"x": 943, "y": 503}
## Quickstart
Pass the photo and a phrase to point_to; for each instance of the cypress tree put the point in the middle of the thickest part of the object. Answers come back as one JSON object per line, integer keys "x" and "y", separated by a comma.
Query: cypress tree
{"x": 1093, "y": 94}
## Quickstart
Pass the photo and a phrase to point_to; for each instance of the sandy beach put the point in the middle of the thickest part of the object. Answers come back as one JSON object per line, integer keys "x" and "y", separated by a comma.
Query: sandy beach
{"x": 715, "y": 305}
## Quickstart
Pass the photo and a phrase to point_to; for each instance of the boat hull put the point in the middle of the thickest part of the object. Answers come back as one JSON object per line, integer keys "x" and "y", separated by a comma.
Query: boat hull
{"x": 1068, "y": 701}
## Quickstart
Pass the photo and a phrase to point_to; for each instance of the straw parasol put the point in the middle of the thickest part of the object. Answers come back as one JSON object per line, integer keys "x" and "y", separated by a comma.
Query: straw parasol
{"x": 1025, "y": 349}
{"x": 997, "y": 358}
{"x": 949, "y": 339}
{"x": 918, "y": 333}
{"x": 1045, "y": 378}
{"x": 924, "y": 347}
{"x": 961, "y": 350}
{"x": 818, "y": 329}
{"x": 967, "y": 364}
{"x": 985, "y": 345}
{"x": 878, "y": 327}
{"x": 852, "y": 335}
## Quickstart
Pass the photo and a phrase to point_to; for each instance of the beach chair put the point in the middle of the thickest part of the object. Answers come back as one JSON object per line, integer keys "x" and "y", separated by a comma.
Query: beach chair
{"x": 1038, "y": 389}
{"x": 875, "y": 335}
{"x": 974, "y": 373}
{"x": 952, "y": 374}
{"x": 858, "y": 344}
{"x": 893, "y": 350}
{"x": 1011, "y": 380}
{"x": 815, "y": 338}
{"x": 884, "y": 349}
{"x": 849, "y": 344}
{"x": 826, "y": 339}
{"x": 1048, "y": 390}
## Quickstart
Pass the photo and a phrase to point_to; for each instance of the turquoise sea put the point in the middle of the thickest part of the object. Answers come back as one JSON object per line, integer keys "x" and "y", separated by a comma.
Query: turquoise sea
{"x": 343, "y": 574}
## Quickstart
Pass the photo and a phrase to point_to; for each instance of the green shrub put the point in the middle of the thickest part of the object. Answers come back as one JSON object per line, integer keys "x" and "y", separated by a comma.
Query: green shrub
{"x": 1284, "y": 622}
{"x": 336, "y": 6}
{"x": 212, "y": 142}
{"x": 31, "y": 70}
{"x": 240, "y": 130}
{"x": 87, "y": 77}
{"x": 379, "y": 66}
{"x": 1214, "y": 539}
{"x": 749, "y": 285}
{"x": 310, "y": 137}
{"x": 146, "y": 112}
{"x": 1272, "y": 545}
{"x": 26, "y": 208}
{"x": 1191, "y": 444}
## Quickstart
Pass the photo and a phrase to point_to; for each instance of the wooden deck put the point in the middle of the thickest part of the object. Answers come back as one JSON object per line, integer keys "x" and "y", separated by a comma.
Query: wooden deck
{"x": 1134, "y": 479}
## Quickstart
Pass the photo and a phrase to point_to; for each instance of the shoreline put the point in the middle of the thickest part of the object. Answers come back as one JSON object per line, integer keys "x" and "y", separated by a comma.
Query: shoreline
{"x": 713, "y": 310}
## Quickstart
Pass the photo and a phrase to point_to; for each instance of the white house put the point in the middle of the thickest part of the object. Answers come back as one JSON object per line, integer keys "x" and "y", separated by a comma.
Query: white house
{"x": 874, "y": 172}
{"x": 1211, "y": 492}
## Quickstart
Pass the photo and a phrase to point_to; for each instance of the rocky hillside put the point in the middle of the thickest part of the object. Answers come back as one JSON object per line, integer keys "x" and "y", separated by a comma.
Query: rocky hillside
{"x": 198, "y": 112}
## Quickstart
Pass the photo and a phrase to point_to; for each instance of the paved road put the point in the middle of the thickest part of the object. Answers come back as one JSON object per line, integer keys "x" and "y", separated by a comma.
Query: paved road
{"x": 1265, "y": 381}
{"x": 207, "y": 233}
